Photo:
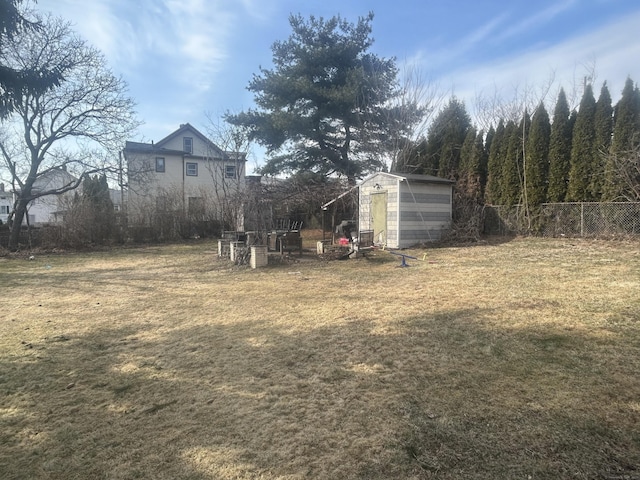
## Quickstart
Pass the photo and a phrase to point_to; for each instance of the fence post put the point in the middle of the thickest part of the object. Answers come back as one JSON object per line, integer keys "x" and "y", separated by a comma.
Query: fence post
{"x": 582, "y": 219}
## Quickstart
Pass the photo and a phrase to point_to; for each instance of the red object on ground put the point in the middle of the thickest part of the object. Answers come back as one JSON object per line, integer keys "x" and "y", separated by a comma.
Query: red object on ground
{"x": 343, "y": 241}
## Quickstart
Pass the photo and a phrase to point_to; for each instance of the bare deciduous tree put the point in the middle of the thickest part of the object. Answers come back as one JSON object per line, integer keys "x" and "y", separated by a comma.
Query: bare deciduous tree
{"x": 416, "y": 92}
{"x": 228, "y": 170}
{"x": 70, "y": 126}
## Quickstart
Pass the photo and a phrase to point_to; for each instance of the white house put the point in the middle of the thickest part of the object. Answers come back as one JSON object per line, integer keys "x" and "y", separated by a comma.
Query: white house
{"x": 6, "y": 204}
{"x": 50, "y": 209}
{"x": 405, "y": 209}
{"x": 184, "y": 171}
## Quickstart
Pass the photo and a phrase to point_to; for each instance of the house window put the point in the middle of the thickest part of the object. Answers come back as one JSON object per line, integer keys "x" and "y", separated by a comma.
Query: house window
{"x": 116, "y": 207}
{"x": 230, "y": 171}
{"x": 160, "y": 164}
{"x": 187, "y": 144}
{"x": 4, "y": 209}
{"x": 192, "y": 169}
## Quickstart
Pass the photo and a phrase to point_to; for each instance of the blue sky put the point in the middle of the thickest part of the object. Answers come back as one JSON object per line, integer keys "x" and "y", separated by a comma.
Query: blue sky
{"x": 185, "y": 58}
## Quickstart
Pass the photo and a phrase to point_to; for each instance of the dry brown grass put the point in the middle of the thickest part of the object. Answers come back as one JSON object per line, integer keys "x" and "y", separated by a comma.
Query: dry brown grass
{"x": 510, "y": 360}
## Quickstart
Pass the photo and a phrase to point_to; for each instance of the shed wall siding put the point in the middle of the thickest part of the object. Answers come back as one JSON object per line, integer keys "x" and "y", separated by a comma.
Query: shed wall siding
{"x": 416, "y": 212}
{"x": 425, "y": 212}
{"x": 416, "y": 217}
{"x": 441, "y": 198}
{"x": 378, "y": 184}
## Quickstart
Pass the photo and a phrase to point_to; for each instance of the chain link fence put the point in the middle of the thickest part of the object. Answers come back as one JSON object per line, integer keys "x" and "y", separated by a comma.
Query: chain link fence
{"x": 579, "y": 219}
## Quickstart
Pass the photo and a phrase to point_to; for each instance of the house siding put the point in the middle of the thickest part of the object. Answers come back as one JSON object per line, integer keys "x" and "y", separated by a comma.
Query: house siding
{"x": 6, "y": 204}
{"x": 50, "y": 209}
{"x": 210, "y": 183}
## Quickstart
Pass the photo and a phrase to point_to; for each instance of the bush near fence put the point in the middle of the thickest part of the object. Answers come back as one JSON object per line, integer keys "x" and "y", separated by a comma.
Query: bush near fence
{"x": 579, "y": 219}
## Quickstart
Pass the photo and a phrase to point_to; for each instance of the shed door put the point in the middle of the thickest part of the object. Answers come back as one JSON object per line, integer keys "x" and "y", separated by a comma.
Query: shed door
{"x": 379, "y": 217}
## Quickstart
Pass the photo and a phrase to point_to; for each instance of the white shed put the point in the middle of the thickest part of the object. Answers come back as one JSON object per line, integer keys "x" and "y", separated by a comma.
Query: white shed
{"x": 405, "y": 209}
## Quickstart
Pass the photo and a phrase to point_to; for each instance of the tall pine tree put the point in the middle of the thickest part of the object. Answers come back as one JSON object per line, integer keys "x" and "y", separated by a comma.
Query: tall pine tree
{"x": 327, "y": 105}
{"x": 583, "y": 149}
{"x": 493, "y": 191}
{"x": 603, "y": 129}
{"x": 559, "y": 150}
{"x": 536, "y": 160}
{"x": 473, "y": 166}
{"x": 445, "y": 138}
{"x": 626, "y": 136}
{"x": 512, "y": 167}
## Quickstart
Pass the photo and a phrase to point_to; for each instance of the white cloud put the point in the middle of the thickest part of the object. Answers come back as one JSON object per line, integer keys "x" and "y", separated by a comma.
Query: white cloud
{"x": 445, "y": 57}
{"x": 189, "y": 37}
{"x": 609, "y": 51}
{"x": 536, "y": 20}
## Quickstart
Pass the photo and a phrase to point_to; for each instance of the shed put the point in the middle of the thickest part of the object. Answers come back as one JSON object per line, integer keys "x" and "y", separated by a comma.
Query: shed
{"x": 404, "y": 209}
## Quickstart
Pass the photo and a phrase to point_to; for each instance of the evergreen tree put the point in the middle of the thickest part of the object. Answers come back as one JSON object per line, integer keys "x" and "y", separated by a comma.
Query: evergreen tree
{"x": 472, "y": 166}
{"x": 536, "y": 168}
{"x": 626, "y": 136}
{"x": 488, "y": 140}
{"x": 97, "y": 208}
{"x": 494, "y": 166}
{"x": 559, "y": 150}
{"x": 445, "y": 138}
{"x": 17, "y": 80}
{"x": 466, "y": 151}
{"x": 513, "y": 168}
{"x": 626, "y": 133}
{"x": 510, "y": 132}
{"x": 583, "y": 150}
{"x": 603, "y": 129}
{"x": 326, "y": 106}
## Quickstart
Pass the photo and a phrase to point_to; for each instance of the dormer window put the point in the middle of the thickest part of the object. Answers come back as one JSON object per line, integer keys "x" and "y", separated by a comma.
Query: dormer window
{"x": 187, "y": 144}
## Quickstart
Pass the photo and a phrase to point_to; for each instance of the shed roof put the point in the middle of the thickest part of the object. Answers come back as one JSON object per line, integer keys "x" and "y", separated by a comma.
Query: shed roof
{"x": 412, "y": 177}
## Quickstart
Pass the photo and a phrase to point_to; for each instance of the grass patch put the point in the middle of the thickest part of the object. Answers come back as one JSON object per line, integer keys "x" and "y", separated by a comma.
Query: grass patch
{"x": 507, "y": 360}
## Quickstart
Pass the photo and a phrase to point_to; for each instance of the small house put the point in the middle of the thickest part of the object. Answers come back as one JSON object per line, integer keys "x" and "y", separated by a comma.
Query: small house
{"x": 404, "y": 209}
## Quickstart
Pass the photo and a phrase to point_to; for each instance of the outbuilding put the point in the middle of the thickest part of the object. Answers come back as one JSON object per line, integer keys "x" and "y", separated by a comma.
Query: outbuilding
{"x": 404, "y": 209}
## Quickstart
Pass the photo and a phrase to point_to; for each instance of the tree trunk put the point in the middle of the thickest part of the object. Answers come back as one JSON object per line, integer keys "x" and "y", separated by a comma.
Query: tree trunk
{"x": 16, "y": 225}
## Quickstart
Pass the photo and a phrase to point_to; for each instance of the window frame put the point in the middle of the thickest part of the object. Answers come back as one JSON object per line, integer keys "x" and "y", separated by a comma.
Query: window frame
{"x": 235, "y": 172}
{"x": 161, "y": 165}
{"x": 187, "y": 141}
{"x": 194, "y": 171}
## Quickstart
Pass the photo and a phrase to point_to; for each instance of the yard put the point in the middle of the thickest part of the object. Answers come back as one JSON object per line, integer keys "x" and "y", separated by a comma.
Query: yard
{"x": 507, "y": 360}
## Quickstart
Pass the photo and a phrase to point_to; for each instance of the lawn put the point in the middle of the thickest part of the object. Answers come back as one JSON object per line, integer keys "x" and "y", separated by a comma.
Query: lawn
{"x": 517, "y": 359}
